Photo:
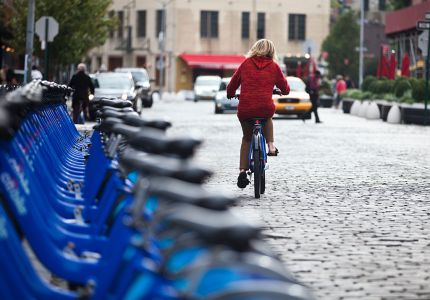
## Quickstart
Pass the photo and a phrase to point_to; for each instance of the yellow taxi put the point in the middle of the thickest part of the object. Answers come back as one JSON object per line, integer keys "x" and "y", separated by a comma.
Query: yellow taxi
{"x": 297, "y": 102}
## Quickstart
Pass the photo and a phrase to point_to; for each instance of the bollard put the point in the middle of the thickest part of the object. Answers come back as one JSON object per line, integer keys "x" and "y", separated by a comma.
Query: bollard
{"x": 373, "y": 112}
{"x": 394, "y": 115}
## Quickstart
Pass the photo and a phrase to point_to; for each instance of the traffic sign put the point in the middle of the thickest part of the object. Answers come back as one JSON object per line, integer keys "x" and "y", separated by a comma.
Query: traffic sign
{"x": 423, "y": 42}
{"x": 46, "y": 25}
{"x": 423, "y": 25}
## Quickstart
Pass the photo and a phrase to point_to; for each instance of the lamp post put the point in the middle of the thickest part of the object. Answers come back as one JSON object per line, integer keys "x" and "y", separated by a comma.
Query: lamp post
{"x": 361, "y": 49}
{"x": 162, "y": 45}
{"x": 29, "y": 41}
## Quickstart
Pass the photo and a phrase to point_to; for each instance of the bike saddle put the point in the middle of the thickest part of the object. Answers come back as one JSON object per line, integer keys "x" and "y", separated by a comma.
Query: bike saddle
{"x": 262, "y": 290}
{"x": 108, "y": 123}
{"x": 154, "y": 165}
{"x": 137, "y": 121}
{"x": 113, "y": 103}
{"x": 151, "y": 141}
{"x": 178, "y": 191}
{"x": 217, "y": 227}
{"x": 110, "y": 108}
{"x": 115, "y": 114}
{"x": 125, "y": 130}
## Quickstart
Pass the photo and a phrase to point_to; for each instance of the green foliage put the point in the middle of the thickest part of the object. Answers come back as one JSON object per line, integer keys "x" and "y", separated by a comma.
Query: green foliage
{"x": 357, "y": 94}
{"x": 382, "y": 86}
{"x": 398, "y": 4}
{"x": 389, "y": 97}
{"x": 407, "y": 97}
{"x": 418, "y": 90}
{"x": 83, "y": 25}
{"x": 367, "y": 82}
{"x": 341, "y": 44}
{"x": 401, "y": 85}
{"x": 325, "y": 88}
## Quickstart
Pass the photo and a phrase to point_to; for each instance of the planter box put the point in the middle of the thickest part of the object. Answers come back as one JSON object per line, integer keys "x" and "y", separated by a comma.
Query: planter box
{"x": 346, "y": 105}
{"x": 384, "y": 108}
{"x": 326, "y": 101}
{"x": 415, "y": 114}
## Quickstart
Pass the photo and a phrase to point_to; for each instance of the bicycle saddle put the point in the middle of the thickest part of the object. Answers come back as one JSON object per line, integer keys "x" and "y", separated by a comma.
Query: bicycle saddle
{"x": 151, "y": 141}
{"x": 113, "y": 103}
{"x": 155, "y": 165}
{"x": 218, "y": 227}
{"x": 137, "y": 121}
{"x": 125, "y": 130}
{"x": 108, "y": 123}
{"x": 178, "y": 191}
{"x": 116, "y": 114}
{"x": 262, "y": 290}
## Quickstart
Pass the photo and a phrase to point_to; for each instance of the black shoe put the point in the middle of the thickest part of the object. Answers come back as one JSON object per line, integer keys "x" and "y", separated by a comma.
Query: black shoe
{"x": 318, "y": 122}
{"x": 242, "y": 180}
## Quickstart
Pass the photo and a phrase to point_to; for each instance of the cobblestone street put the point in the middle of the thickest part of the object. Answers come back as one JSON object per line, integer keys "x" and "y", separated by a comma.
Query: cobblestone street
{"x": 347, "y": 201}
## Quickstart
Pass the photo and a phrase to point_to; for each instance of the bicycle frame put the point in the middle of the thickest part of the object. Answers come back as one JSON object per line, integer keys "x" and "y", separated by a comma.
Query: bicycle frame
{"x": 258, "y": 142}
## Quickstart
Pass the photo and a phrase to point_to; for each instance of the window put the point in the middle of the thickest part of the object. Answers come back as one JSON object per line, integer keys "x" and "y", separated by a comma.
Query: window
{"x": 159, "y": 22}
{"x": 382, "y": 5}
{"x": 209, "y": 24}
{"x": 111, "y": 15}
{"x": 297, "y": 27}
{"x": 261, "y": 18}
{"x": 141, "y": 23}
{"x": 245, "y": 25}
{"x": 120, "y": 24}
{"x": 366, "y": 5}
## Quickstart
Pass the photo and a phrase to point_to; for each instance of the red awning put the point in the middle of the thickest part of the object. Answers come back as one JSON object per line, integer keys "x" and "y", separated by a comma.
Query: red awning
{"x": 405, "y": 19}
{"x": 209, "y": 61}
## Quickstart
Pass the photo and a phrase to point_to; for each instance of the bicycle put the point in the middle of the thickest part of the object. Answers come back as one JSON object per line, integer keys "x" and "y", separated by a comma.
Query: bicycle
{"x": 257, "y": 155}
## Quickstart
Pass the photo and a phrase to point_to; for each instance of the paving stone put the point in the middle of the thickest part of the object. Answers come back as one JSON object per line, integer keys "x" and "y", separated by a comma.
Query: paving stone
{"x": 346, "y": 204}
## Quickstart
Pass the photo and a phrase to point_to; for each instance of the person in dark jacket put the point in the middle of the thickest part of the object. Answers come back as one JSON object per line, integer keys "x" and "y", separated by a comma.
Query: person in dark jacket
{"x": 257, "y": 76}
{"x": 83, "y": 86}
{"x": 313, "y": 86}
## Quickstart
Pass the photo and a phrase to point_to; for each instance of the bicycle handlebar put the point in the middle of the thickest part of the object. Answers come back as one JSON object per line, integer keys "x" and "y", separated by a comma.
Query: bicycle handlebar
{"x": 276, "y": 91}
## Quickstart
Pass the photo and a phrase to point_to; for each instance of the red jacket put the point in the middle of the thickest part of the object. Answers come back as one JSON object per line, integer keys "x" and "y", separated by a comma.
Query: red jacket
{"x": 256, "y": 77}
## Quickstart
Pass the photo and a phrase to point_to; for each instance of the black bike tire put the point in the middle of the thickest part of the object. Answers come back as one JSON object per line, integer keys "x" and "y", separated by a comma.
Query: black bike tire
{"x": 257, "y": 174}
{"x": 263, "y": 182}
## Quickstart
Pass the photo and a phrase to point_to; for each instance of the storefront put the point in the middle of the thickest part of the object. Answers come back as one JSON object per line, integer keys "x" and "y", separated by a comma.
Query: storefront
{"x": 189, "y": 66}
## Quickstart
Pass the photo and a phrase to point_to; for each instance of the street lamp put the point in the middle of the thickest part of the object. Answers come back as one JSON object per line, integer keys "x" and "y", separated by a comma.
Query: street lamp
{"x": 162, "y": 44}
{"x": 361, "y": 63}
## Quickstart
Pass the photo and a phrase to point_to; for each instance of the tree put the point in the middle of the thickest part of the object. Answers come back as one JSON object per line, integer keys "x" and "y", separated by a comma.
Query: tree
{"x": 341, "y": 46}
{"x": 83, "y": 25}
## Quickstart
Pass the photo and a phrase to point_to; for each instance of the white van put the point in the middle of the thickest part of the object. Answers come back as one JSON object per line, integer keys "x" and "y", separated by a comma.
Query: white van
{"x": 206, "y": 87}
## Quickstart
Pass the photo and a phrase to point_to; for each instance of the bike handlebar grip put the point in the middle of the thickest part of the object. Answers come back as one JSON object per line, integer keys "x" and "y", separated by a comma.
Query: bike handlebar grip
{"x": 277, "y": 91}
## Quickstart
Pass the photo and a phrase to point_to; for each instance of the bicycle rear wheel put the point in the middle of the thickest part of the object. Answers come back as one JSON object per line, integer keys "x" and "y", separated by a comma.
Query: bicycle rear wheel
{"x": 257, "y": 174}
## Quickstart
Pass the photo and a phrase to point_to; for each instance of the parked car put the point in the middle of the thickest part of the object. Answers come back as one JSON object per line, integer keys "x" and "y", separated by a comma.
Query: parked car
{"x": 297, "y": 102}
{"x": 142, "y": 83}
{"x": 115, "y": 85}
{"x": 221, "y": 102}
{"x": 206, "y": 87}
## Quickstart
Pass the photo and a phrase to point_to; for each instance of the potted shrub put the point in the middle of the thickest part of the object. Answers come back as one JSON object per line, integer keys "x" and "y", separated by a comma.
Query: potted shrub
{"x": 326, "y": 97}
{"x": 414, "y": 113}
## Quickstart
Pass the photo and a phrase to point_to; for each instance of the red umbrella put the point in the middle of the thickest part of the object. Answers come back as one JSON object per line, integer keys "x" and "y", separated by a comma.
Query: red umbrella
{"x": 384, "y": 67}
{"x": 299, "y": 70}
{"x": 405, "y": 65}
{"x": 393, "y": 66}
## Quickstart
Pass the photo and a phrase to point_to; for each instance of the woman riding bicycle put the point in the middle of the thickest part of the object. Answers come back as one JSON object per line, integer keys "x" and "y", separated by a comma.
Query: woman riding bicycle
{"x": 257, "y": 76}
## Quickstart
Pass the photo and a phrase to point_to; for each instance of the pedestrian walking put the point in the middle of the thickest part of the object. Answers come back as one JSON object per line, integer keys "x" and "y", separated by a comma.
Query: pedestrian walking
{"x": 36, "y": 74}
{"x": 256, "y": 76}
{"x": 340, "y": 89}
{"x": 313, "y": 87}
{"x": 83, "y": 86}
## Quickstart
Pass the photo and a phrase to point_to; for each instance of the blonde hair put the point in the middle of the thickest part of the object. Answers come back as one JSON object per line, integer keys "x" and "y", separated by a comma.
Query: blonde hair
{"x": 263, "y": 47}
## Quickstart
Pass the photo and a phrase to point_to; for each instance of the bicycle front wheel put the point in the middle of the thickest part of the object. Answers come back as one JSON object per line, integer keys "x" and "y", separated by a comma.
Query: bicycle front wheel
{"x": 257, "y": 174}
{"x": 263, "y": 182}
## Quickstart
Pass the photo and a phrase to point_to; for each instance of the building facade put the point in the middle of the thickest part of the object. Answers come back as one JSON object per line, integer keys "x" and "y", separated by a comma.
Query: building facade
{"x": 205, "y": 36}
